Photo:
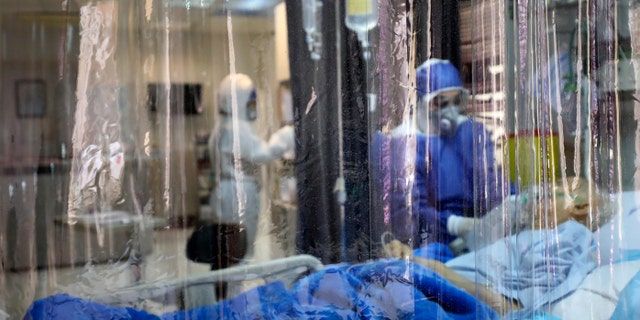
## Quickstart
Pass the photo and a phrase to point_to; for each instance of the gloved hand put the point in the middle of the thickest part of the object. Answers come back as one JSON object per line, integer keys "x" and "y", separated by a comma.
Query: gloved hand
{"x": 284, "y": 138}
{"x": 460, "y": 226}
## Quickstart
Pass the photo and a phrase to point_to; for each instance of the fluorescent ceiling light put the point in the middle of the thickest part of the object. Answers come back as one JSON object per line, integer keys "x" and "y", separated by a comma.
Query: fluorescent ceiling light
{"x": 491, "y": 96}
{"x": 248, "y": 5}
{"x": 191, "y": 3}
{"x": 496, "y": 69}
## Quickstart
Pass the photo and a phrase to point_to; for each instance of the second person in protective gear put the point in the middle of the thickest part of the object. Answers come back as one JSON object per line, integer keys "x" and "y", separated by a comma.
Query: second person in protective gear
{"x": 237, "y": 152}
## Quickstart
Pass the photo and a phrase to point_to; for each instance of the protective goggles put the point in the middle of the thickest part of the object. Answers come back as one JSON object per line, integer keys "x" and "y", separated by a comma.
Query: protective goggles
{"x": 442, "y": 100}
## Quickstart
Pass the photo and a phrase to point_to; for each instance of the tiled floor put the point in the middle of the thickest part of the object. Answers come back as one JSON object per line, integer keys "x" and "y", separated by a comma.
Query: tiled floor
{"x": 167, "y": 261}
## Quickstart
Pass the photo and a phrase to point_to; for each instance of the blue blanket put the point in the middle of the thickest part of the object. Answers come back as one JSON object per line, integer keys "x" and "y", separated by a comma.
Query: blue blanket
{"x": 384, "y": 289}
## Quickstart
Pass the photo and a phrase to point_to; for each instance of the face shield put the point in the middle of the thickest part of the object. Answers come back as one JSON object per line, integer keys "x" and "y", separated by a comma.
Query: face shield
{"x": 252, "y": 107}
{"x": 441, "y": 96}
{"x": 446, "y": 110}
{"x": 237, "y": 91}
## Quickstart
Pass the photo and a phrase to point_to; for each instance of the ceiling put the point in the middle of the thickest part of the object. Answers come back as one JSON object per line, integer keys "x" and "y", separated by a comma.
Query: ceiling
{"x": 256, "y": 7}
{"x": 247, "y": 16}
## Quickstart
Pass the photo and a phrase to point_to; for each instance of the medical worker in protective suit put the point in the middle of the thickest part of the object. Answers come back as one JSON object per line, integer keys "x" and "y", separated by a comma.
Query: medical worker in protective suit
{"x": 237, "y": 152}
{"x": 440, "y": 163}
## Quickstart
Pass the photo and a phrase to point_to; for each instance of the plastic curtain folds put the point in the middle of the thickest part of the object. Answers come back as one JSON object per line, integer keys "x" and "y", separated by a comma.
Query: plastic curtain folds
{"x": 343, "y": 159}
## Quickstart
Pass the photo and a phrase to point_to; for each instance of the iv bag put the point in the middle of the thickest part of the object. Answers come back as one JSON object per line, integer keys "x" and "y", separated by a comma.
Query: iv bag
{"x": 309, "y": 15}
{"x": 312, "y": 21}
{"x": 362, "y": 16}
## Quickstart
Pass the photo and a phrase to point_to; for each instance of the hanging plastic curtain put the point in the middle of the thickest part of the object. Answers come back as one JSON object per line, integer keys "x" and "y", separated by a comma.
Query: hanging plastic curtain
{"x": 569, "y": 139}
{"x": 342, "y": 159}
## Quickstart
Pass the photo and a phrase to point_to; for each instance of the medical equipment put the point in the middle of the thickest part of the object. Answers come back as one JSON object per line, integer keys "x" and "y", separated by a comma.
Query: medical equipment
{"x": 362, "y": 16}
{"x": 287, "y": 270}
{"x": 447, "y": 119}
{"x": 388, "y": 288}
{"x": 312, "y": 21}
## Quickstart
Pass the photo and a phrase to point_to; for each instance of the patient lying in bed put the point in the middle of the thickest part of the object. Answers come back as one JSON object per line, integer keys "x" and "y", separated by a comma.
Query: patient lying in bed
{"x": 527, "y": 271}
{"x": 517, "y": 273}
{"x": 380, "y": 289}
{"x": 530, "y": 252}
{"x": 543, "y": 206}
{"x": 499, "y": 303}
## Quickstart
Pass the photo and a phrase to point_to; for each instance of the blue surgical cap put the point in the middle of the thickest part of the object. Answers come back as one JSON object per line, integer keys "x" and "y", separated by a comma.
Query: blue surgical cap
{"x": 435, "y": 76}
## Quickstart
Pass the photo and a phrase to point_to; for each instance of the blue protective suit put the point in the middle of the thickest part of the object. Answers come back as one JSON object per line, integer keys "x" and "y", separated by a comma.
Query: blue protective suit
{"x": 424, "y": 179}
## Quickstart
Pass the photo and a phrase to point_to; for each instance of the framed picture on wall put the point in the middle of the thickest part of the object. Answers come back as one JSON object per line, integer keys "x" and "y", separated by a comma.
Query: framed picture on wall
{"x": 31, "y": 98}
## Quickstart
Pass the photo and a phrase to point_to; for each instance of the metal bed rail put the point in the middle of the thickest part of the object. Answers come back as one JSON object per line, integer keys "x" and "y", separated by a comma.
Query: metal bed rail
{"x": 287, "y": 269}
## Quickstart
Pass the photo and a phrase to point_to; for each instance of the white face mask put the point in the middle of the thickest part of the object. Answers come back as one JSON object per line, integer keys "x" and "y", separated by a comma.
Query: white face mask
{"x": 446, "y": 119}
{"x": 252, "y": 110}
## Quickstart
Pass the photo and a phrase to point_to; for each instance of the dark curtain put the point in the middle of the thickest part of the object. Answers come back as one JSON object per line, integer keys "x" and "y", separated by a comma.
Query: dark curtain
{"x": 358, "y": 79}
{"x": 322, "y": 231}
{"x": 327, "y": 229}
{"x": 445, "y": 30}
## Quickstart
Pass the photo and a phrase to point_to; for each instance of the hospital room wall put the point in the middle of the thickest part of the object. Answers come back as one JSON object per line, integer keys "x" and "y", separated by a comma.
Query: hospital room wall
{"x": 207, "y": 61}
{"x": 26, "y": 60}
{"x": 616, "y": 161}
{"x": 200, "y": 56}
{"x": 39, "y": 58}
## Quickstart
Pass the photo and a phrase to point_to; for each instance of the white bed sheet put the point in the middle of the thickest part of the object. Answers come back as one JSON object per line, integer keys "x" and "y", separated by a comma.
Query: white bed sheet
{"x": 618, "y": 245}
{"x": 598, "y": 295}
{"x": 620, "y": 236}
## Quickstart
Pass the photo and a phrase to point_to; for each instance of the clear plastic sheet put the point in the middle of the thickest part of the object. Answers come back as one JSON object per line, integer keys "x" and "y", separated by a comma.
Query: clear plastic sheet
{"x": 319, "y": 159}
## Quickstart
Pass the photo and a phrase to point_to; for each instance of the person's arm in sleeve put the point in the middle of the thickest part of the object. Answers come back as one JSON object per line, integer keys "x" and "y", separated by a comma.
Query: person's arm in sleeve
{"x": 256, "y": 150}
{"x": 444, "y": 225}
{"x": 489, "y": 184}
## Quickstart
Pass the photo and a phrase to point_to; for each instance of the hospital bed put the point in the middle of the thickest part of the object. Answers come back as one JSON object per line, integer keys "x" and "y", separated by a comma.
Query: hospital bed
{"x": 171, "y": 294}
{"x": 287, "y": 270}
{"x": 375, "y": 290}
{"x": 392, "y": 288}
